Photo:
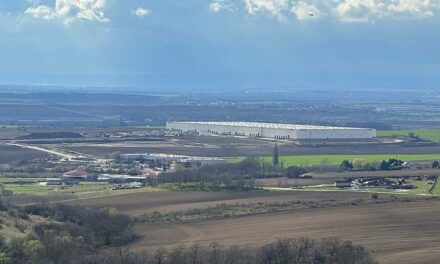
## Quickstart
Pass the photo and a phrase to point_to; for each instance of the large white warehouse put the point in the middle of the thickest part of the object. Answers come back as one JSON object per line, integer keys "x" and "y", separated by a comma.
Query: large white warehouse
{"x": 272, "y": 130}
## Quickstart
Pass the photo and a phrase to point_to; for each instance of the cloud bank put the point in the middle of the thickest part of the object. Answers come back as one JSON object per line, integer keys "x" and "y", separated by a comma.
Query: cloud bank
{"x": 341, "y": 10}
{"x": 70, "y": 10}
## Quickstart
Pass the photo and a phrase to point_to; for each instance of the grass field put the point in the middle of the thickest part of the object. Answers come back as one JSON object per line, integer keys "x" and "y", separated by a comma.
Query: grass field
{"x": 428, "y": 134}
{"x": 79, "y": 191}
{"x": 32, "y": 189}
{"x": 312, "y": 160}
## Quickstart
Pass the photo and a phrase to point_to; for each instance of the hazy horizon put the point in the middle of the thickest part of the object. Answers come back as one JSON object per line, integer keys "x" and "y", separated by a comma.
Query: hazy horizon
{"x": 216, "y": 45}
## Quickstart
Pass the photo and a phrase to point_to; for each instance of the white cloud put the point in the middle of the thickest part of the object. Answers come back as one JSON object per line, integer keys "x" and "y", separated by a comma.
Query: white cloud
{"x": 342, "y": 10}
{"x": 41, "y": 11}
{"x": 220, "y": 5}
{"x": 140, "y": 12}
{"x": 275, "y": 8}
{"x": 306, "y": 11}
{"x": 420, "y": 8}
{"x": 359, "y": 10}
{"x": 70, "y": 10}
{"x": 370, "y": 10}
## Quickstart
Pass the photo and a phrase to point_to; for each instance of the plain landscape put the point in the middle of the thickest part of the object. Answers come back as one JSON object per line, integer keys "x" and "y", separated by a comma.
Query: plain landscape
{"x": 263, "y": 189}
{"x": 219, "y": 132}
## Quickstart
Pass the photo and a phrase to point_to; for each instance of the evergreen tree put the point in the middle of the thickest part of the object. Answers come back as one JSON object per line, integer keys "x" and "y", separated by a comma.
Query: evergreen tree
{"x": 275, "y": 155}
{"x": 346, "y": 165}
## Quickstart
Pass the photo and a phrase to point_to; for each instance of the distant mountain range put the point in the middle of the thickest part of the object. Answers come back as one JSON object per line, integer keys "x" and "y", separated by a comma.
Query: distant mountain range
{"x": 217, "y": 82}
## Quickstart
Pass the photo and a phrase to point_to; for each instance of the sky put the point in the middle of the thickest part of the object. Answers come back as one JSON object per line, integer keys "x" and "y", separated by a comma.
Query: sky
{"x": 216, "y": 45}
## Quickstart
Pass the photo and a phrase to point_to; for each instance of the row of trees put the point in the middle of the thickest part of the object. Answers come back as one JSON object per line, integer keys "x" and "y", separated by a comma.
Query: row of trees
{"x": 239, "y": 175}
{"x": 288, "y": 251}
{"x": 360, "y": 164}
{"x": 65, "y": 250}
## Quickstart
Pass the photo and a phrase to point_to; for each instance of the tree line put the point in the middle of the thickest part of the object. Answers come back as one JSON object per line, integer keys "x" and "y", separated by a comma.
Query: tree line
{"x": 285, "y": 251}
{"x": 240, "y": 175}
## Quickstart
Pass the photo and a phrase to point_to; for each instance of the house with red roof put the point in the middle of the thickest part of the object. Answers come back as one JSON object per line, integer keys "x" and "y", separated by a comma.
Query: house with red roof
{"x": 78, "y": 174}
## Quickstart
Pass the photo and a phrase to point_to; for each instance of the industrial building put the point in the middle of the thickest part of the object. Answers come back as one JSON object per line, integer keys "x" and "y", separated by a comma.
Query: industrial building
{"x": 159, "y": 157}
{"x": 271, "y": 130}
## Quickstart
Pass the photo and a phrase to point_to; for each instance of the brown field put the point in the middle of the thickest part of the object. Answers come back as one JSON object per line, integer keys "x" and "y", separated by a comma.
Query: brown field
{"x": 32, "y": 199}
{"x": 147, "y": 202}
{"x": 11, "y": 153}
{"x": 234, "y": 147}
{"x": 396, "y": 233}
{"x": 287, "y": 183}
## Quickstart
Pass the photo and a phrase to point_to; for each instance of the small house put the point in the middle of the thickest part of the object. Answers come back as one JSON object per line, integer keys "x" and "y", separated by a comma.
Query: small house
{"x": 342, "y": 183}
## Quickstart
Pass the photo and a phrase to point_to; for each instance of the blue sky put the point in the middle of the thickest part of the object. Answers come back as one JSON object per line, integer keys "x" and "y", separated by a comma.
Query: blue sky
{"x": 221, "y": 44}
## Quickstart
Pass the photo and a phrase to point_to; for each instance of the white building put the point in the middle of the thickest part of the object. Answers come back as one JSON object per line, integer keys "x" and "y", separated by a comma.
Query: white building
{"x": 272, "y": 130}
{"x": 155, "y": 157}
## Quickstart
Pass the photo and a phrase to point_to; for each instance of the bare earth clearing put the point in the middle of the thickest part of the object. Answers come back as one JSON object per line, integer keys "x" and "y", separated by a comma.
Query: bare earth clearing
{"x": 396, "y": 233}
{"x": 13, "y": 153}
{"x": 234, "y": 147}
{"x": 147, "y": 202}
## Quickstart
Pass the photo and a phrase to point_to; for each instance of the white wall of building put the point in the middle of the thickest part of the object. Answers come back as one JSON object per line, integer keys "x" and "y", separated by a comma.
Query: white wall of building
{"x": 266, "y": 131}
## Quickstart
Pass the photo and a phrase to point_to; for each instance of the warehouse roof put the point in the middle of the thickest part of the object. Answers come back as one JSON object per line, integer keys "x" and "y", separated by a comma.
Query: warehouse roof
{"x": 267, "y": 125}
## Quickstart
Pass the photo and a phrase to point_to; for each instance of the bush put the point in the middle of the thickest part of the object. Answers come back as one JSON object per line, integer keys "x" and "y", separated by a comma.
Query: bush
{"x": 100, "y": 227}
{"x": 294, "y": 172}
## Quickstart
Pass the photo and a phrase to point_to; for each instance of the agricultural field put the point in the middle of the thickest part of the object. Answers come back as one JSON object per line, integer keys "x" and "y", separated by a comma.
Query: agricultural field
{"x": 240, "y": 147}
{"x": 428, "y": 134}
{"x": 396, "y": 233}
{"x": 78, "y": 189}
{"x": 29, "y": 193}
{"x": 313, "y": 160}
{"x": 168, "y": 201}
{"x": 12, "y": 153}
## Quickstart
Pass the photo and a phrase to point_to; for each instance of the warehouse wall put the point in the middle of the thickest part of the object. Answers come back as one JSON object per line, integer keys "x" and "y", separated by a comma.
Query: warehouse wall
{"x": 330, "y": 133}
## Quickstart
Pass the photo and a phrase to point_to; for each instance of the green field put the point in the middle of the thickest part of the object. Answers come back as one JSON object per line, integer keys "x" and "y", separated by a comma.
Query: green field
{"x": 428, "y": 134}
{"x": 312, "y": 160}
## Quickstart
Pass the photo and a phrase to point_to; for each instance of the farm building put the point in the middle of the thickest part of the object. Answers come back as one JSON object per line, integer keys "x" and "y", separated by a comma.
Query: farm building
{"x": 272, "y": 130}
{"x": 342, "y": 183}
{"x": 78, "y": 174}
